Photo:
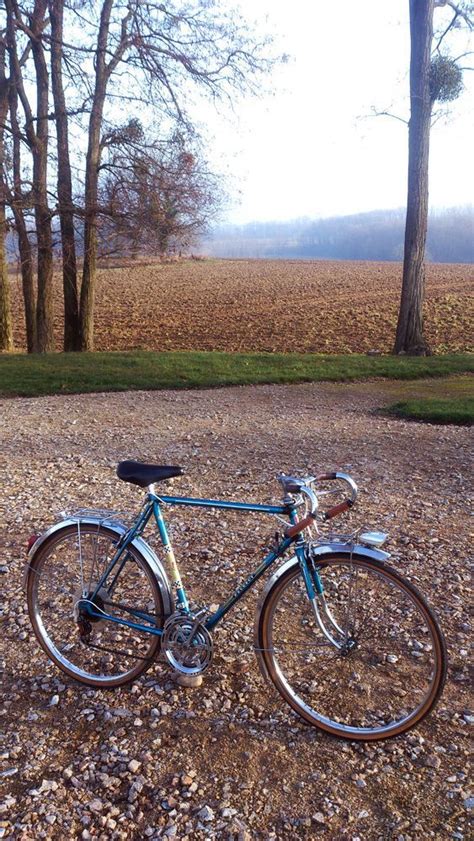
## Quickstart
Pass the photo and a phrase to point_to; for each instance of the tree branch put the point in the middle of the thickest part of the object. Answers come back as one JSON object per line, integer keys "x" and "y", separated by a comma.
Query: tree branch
{"x": 388, "y": 114}
{"x": 15, "y": 71}
{"x": 458, "y": 12}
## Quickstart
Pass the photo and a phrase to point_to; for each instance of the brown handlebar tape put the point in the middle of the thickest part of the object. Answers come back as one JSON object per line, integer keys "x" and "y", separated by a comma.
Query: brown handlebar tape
{"x": 303, "y": 524}
{"x": 292, "y": 531}
{"x": 338, "y": 509}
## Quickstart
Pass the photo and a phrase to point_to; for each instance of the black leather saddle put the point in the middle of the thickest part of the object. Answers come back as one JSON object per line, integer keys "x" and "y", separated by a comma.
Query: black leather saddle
{"x": 145, "y": 474}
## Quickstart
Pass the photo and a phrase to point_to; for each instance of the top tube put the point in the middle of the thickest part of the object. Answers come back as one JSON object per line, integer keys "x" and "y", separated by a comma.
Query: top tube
{"x": 218, "y": 503}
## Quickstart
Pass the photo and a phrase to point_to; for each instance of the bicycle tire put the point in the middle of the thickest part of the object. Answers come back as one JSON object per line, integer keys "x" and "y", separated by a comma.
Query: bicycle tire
{"x": 69, "y": 561}
{"x": 356, "y": 695}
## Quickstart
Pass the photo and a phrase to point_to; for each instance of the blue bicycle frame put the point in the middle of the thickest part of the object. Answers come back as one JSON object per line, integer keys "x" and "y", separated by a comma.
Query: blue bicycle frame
{"x": 152, "y": 508}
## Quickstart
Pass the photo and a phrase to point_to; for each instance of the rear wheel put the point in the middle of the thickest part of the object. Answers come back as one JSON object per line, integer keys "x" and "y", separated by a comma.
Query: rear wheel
{"x": 62, "y": 579}
{"x": 386, "y": 665}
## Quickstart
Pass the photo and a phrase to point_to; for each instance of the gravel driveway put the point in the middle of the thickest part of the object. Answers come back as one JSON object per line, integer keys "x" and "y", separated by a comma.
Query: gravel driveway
{"x": 227, "y": 760}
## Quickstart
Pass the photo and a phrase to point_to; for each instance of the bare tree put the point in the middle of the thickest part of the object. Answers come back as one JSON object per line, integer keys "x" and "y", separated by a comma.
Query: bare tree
{"x": 163, "y": 48}
{"x": 103, "y": 52}
{"x": 431, "y": 79}
{"x": 6, "y": 325}
{"x": 64, "y": 181}
{"x": 44, "y": 236}
{"x": 155, "y": 196}
{"x": 36, "y": 135}
{"x": 18, "y": 203}
{"x": 410, "y": 336}
{"x": 103, "y": 72}
{"x": 11, "y": 180}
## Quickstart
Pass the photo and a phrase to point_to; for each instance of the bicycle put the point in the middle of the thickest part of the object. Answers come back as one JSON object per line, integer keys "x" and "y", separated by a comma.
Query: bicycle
{"x": 348, "y": 643}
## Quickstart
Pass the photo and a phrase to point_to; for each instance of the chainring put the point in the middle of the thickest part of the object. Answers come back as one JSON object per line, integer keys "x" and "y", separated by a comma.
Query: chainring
{"x": 186, "y": 644}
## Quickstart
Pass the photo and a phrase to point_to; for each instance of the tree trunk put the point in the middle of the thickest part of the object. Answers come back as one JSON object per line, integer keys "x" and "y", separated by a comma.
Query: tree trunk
{"x": 410, "y": 338}
{"x": 6, "y": 326}
{"x": 64, "y": 180}
{"x": 27, "y": 280}
{"x": 24, "y": 245}
{"x": 91, "y": 182}
{"x": 44, "y": 309}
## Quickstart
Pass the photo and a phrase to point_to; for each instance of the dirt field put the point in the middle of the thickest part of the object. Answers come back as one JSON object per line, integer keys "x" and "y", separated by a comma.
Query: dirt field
{"x": 240, "y": 305}
{"x": 228, "y": 761}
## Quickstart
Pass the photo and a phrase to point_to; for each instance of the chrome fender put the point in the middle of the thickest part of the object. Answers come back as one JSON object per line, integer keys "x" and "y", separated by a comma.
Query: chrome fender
{"x": 317, "y": 551}
{"x": 138, "y": 543}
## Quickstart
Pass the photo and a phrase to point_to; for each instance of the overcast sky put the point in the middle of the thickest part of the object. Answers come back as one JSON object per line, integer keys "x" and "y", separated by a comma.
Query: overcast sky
{"x": 312, "y": 148}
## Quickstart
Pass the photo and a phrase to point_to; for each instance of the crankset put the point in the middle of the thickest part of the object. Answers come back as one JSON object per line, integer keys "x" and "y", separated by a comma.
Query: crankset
{"x": 186, "y": 643}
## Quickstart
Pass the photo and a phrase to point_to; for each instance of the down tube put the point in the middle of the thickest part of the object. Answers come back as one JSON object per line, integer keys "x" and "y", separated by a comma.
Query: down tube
{"x": 216, "y": 617}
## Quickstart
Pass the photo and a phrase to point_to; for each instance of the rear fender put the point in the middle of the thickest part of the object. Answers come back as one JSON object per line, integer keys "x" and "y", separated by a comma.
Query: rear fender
{"x": 325, "y": 550}
{"x": 138, "y": 543}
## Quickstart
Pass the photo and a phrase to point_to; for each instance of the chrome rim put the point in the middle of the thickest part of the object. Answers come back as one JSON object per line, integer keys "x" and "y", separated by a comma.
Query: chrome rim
{"x": 383, "y": 674}
{"x": 62, "y": 581}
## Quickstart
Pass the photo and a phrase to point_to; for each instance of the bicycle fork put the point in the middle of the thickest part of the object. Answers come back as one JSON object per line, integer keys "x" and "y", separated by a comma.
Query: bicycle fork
{"x": 315, "y": 592}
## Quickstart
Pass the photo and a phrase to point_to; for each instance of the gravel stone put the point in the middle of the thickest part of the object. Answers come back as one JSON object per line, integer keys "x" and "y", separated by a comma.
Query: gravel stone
{"x": 205, "y": 814}
{"x": 95, "y": 805}
{"x": 133, "y": 766}
{"x": 230, "y": 759}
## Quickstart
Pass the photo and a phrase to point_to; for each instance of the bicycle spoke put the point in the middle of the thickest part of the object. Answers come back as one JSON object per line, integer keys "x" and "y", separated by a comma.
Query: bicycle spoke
{"x": 115, "y": 652}
{"x": 379, "y": 679}
{"x": 283, "y": 648}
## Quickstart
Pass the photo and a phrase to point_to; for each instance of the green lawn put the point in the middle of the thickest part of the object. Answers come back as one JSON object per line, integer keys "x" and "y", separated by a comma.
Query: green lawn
{"x": 73, "y": 373}
{"x": 447, "y": 410}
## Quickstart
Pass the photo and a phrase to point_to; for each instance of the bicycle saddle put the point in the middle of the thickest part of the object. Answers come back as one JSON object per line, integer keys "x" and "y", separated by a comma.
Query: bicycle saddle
{"x": 145, "y": 474}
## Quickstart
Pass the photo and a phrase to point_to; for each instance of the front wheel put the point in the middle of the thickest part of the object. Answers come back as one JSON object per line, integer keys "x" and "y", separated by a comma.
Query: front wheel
{"x": 62, "y": 580}
{"x": 384, "y": 665}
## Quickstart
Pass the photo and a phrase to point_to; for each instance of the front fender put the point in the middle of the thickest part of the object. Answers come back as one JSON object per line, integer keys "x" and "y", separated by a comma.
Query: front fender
{"x": 138, "y": 543}
{"x": 325, "y": 549}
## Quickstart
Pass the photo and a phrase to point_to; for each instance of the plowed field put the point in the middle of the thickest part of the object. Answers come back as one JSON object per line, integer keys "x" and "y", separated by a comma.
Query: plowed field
{"x": 265, "y": 305}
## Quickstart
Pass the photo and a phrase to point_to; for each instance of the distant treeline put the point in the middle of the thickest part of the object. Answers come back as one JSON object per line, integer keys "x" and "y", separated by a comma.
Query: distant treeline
{"x": 377, "y": 235}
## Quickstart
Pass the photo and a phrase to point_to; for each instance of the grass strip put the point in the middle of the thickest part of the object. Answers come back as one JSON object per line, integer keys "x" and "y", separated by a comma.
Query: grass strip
{"x": 75, "y": 373}
{"x": 458, "y": 411}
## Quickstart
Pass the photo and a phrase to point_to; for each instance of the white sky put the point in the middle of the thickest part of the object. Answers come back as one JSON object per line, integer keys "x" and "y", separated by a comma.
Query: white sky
{"x": 313, "y": 148}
